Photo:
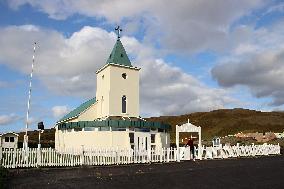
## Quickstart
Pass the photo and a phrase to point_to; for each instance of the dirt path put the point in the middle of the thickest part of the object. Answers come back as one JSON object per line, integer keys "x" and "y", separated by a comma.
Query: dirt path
{"x": 264, "y": 172}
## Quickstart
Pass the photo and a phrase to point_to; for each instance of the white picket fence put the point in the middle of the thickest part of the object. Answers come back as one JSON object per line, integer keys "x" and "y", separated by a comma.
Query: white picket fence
{"x": 226, "y": 151}
{"x": 48, "y": 157}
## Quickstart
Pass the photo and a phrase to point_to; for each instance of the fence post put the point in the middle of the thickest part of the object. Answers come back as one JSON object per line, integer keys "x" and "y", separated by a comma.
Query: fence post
{"x": 117, "y": 157}
{"x": 82, "y": 155}
{"x": 178, "y": 154}
{"x": 168, "y": 154}
{"x": 149, "y": 155}
{"x": 38, "y": 156}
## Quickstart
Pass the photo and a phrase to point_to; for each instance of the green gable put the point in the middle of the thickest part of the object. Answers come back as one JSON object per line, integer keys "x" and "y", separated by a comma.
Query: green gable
{"x": 118, "y": 55}
{"x": 77, "y": 111}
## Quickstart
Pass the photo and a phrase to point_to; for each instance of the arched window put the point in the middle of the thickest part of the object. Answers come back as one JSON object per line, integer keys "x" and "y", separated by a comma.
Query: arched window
{"x": 123, "y": 104}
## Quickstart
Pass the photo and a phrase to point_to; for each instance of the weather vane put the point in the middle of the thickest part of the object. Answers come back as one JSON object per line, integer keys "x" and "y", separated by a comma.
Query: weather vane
{"x": 118, "y": 30}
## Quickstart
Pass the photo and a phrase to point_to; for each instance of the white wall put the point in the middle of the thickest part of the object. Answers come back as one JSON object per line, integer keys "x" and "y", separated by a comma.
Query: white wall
{"x": 9, "y": 144}
{"x": 106, "y": 139}
{"x": 90, "y": 114}
{"x": 111, "y": 86}
{"x": 91, "y": 139}
{"x": 128, "y": 87}
{"x": 102, "y": 92}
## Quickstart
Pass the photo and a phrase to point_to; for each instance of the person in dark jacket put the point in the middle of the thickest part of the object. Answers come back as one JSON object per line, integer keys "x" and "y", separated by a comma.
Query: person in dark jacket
{"x": 191, "y": 146}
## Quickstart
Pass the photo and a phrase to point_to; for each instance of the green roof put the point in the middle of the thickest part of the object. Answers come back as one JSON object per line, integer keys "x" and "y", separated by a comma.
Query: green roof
{"x": 118, "y": 55}
{"x": 77, "y": 111}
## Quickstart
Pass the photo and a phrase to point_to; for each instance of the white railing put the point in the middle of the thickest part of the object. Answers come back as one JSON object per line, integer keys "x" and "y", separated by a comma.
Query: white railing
{"x": 48, "y": 157}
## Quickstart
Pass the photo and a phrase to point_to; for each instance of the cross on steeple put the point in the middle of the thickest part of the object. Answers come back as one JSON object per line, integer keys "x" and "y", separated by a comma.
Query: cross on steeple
{"x": 118, "y": 30}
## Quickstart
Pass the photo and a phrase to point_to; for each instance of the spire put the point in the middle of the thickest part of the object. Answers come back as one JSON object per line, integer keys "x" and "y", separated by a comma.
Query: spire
{"x": 118, "y": 54}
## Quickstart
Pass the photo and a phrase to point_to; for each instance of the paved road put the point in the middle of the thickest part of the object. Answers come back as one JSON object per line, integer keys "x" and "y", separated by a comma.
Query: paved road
{"x": 263, "y": 172}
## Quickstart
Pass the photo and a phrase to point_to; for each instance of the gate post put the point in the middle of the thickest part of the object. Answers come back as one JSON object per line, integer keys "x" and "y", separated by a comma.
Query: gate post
{"x": 177, "y": 143}
{"x": 38, "y": 156}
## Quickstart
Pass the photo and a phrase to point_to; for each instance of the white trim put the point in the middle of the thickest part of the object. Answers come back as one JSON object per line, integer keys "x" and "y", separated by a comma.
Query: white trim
{"x": 188, "y": 127}
{"x": 9, "y": 133}
{"x": 118, "y": 65}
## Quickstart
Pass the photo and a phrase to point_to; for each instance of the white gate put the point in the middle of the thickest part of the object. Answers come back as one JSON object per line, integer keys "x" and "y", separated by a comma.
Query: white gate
{"x": 190, "y": 128}
{"x": 184, "y": 153}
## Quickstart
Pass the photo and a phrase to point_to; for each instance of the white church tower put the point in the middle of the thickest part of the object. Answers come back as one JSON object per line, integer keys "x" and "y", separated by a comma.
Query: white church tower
{"x": 112, "y": 118}
{"x": 118, "y": 85}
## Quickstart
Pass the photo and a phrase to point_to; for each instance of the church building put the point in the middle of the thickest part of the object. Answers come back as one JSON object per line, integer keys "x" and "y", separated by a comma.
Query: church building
{"x": 112, "y": 118}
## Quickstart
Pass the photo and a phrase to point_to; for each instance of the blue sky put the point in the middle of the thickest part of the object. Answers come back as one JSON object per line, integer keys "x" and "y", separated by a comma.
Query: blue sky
{"x": 195, "y": 56}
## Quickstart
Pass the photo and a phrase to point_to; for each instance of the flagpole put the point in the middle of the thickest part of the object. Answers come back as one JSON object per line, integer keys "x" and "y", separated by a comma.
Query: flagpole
{"x": 29, "y": 101}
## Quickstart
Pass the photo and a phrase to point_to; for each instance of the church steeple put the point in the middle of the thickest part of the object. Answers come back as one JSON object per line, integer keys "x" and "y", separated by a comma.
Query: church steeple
{"x": 118, "y": 54}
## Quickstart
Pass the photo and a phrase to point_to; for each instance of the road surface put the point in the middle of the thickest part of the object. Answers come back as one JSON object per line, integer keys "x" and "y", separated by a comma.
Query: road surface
{"x": 261, "y": 172}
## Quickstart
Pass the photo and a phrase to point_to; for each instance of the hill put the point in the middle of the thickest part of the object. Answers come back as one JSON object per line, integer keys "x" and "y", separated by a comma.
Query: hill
{"x": 215, "y": 123}
{"x": 46, "y": 138}
{"x": 227, "y": 121}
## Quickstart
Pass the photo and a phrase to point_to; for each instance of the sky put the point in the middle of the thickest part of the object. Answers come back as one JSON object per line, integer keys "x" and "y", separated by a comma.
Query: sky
{"x": 194, "y": 55}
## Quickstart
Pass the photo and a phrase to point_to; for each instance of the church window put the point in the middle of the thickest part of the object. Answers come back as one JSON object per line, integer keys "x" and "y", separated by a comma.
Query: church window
{"x": 152, "y": 138}
{"x": 103, "y": 76}
{"x": 121, "y": 55}
{"x": 160, "y": 130}
{"x": 124, "y": 76}
{"x": 131, "y": 137}
{"x": 12, "y": 139}
{"x": 146, "y": 143}
{"x": 6, "y": 139}
{"x": 123, "y": 104}
{"x": 110, "y": 56}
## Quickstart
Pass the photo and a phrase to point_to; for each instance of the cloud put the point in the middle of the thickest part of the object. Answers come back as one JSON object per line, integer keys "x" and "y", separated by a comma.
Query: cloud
{"x": 59, "y": 111}
{"x": 258, "y": 64}
{"x": 3, "y": 84}
{"x": 167, "y": 90}
{"x": 67, "y": 65}
{"x": 263, "y": 74}
{"x": 8, "y": 119}
{"x": 187, "y": 26}
{"x": 60, "y": 62}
